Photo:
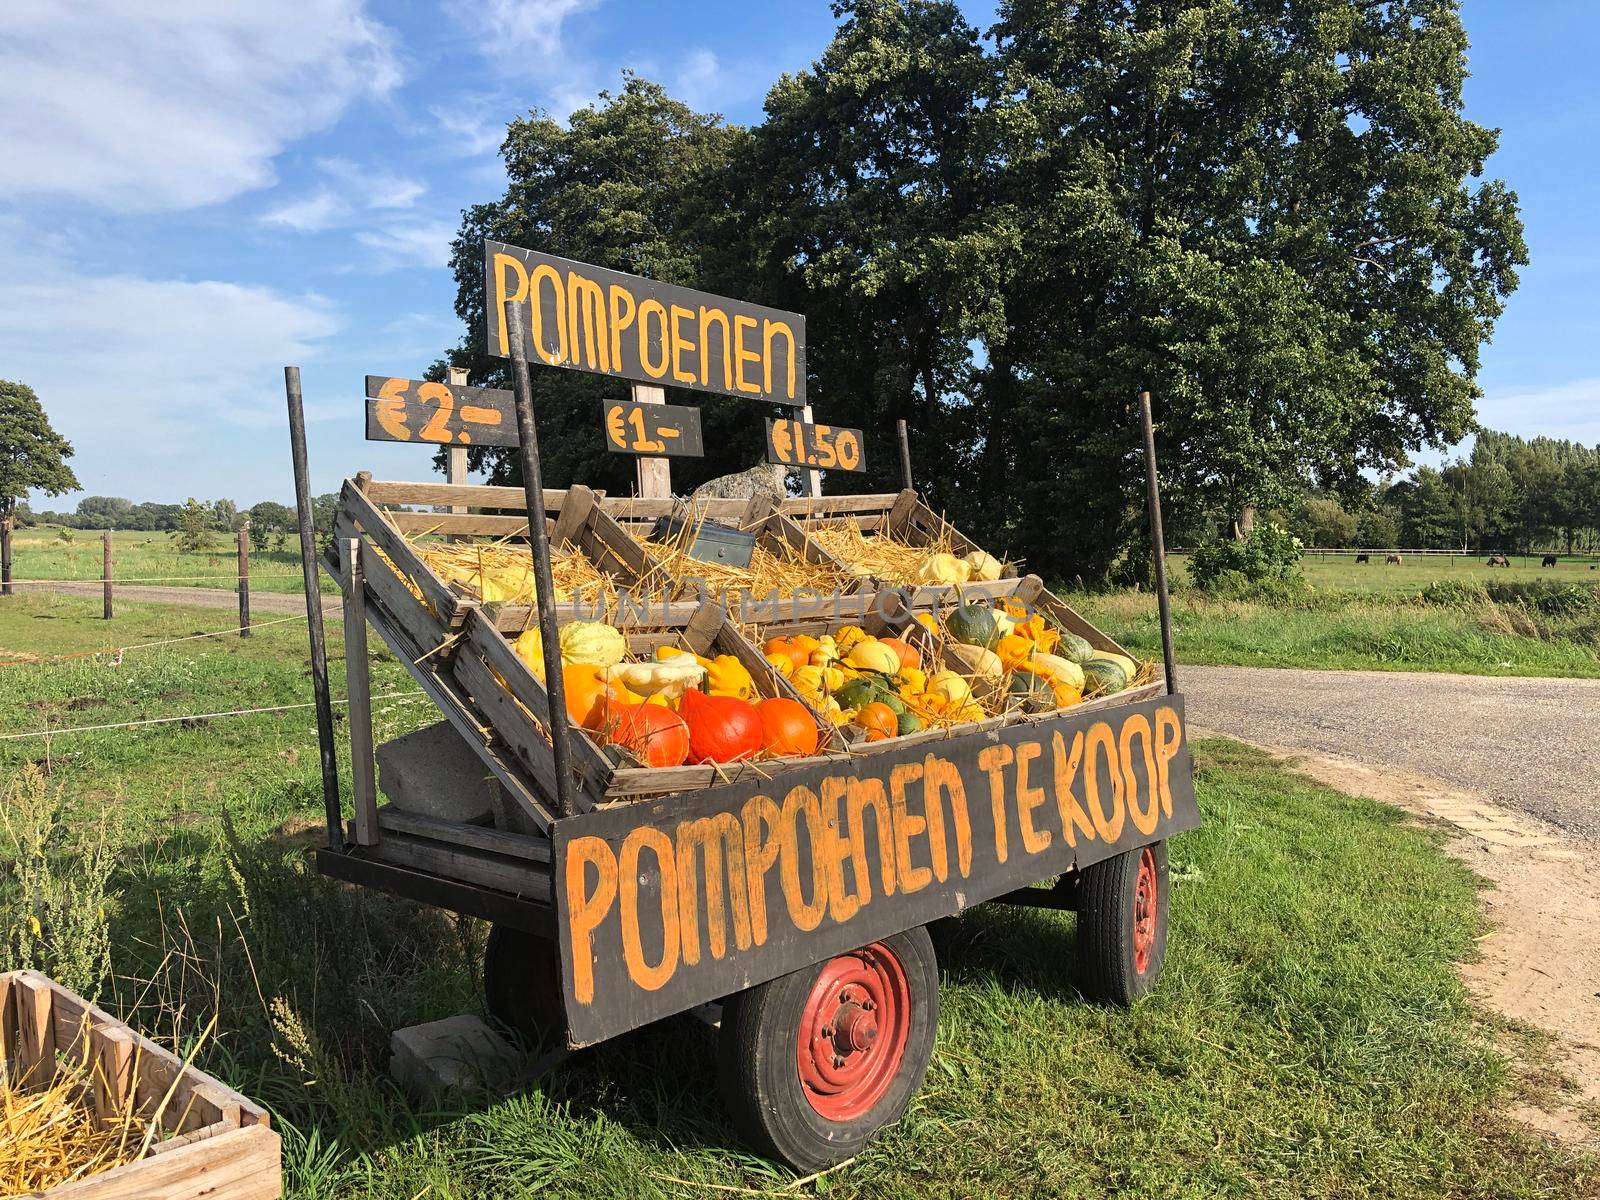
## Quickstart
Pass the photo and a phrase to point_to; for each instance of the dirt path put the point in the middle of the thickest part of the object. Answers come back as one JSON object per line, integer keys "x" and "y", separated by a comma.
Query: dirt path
{"x": 260, "y": 602}
{"x": 1415, "y": 737}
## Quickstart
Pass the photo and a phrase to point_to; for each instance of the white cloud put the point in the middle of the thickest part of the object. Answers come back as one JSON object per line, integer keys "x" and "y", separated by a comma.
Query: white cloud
{"x": 355, "y": 192}
{"x": 1564, "y": 410}
{"x": 315, "y": 212}
{"x": 517, "y": 29}
{"x": 150, "y": 107}
{"x": 423, "y": 244}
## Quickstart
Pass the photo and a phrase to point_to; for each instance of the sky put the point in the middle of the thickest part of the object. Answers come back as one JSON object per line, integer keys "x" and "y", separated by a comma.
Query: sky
{"x": 196, "y": 194}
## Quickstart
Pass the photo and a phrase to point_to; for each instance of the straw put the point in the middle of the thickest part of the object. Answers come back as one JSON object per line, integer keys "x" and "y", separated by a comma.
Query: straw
{"x": 52, "y": 1136}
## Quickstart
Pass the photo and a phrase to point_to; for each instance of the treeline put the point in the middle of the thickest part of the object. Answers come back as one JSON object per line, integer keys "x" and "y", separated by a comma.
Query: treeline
{"x": 1510, "y": 495}
{"x": 1278, "y": 224}
{"x": 193, "y": 518}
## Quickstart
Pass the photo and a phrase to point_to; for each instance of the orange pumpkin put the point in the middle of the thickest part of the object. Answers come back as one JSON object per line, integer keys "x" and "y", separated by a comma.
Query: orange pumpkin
{"x": 788, "y": 647}
{"x": 656, "y": 735}
{"x": 879, "y": 720}
{"x": 907, "y": 652}
{"x": 787, "y": 729}
{"x": 722, "y": 729}
{"x": 589, "y": 695}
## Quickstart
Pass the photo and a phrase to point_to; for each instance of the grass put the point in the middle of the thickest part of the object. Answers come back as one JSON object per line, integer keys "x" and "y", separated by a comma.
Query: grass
{"x": 41, "y": 552}
{"x": 1310, "y": 1038}
{"x": 1433, "y": 615}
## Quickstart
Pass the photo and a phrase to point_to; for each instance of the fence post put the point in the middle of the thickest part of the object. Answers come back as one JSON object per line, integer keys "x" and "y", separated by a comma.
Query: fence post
{"x": 5, "y": 555}
{"x": 243, "y": 582}
{"x": 105, "y": 570}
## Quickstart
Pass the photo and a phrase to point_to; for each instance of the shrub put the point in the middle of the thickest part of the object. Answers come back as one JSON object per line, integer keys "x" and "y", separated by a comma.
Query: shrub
{"x": 1269, "y": 552}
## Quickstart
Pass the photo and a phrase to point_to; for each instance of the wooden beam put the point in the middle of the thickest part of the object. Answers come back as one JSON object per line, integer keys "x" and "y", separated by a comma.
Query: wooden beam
{"x": 358, "y": 688}
{"x": 655, "y": 472}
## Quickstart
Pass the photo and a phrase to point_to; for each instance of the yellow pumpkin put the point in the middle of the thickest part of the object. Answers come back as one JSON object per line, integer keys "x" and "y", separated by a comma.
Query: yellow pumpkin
{"x": 984, "y": 565}
{"x": 951, "y": 689}
{"x": 943, "y": 568}
{"x": 984, "y": 664}
{"x": 872, "y": 655}
{"x": 812, "y": 684}
{"x": 529, "y": 647}
{"x": 782, "y": 664}
{"x": 1014, "y": 650}
{"x": 726, "y": 676}
{"x": 592, "y": 642}
{"x": 849, "y": 636}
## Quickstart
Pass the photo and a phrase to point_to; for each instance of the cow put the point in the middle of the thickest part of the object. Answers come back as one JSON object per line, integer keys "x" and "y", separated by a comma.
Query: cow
{"x": 1393, "y": 558}
{"x": 1363, "y": 558}
{"x": 1549, "y": 561}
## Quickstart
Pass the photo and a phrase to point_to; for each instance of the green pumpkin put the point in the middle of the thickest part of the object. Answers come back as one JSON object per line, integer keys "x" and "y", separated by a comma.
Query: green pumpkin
{"x": 1104, "y": 675}
{"x": 973, "y": 625}
{"x": 909, "y": 723}
{"x": 856, "y": 692}
{"x": 1074, "y": 648}
{"x": 1027, "y": 686}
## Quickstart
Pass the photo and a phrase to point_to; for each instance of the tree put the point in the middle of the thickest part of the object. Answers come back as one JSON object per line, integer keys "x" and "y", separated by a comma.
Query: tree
{"x": 32, "y": 454}
{"x": 1323, "y": 522}
{"x": 225, "y": 515}
{"x": 267, "y": 518}
{"x": 1430, "y": 514}
{"x": 105, "y": 512}
{"x": 194, "y": 525}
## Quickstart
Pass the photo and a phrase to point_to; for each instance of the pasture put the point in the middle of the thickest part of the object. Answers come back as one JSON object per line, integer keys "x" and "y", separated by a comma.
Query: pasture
{"x": 49, "y": 552}
{"x": 1310, "y": 1036}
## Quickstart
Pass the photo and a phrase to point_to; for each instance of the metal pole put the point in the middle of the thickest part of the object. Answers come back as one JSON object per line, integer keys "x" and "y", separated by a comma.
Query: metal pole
{"x": 319, "y": 647}
{"x": 244, "y": 580}
{"x": 1158, "y": 544}
{"x": 539, "y": 538}
{"x": 5, "y": 556}
{"x": 105, "y": 570}
{"x": 905, "y": 456}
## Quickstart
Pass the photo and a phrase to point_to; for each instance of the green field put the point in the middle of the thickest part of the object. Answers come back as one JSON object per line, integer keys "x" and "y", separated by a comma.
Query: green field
{"x": 1310, "y": 1038}
{"x": 1434, "y": 614}
{"x": 40, "y": 552}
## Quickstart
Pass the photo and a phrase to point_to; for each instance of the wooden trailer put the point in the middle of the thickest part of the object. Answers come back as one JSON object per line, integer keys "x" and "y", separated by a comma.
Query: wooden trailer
{"x": 793, "y": 892}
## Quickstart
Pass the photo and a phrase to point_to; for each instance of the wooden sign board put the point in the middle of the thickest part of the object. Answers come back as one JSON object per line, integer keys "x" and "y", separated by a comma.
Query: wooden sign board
{"x": 413, "y": 410}
{"x": 588, "y": 318}
{"x": 658, "y": 430}
{"x": 815, "y": 447}
{"x": 665, "y": 904}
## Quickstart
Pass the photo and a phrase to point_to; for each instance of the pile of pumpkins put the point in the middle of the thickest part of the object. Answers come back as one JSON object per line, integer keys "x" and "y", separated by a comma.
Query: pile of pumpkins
{"x": 679, "y": 708}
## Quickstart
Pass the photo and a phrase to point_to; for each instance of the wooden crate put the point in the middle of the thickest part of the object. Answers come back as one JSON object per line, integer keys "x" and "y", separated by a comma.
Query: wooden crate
{"x": 216, "y": 1144}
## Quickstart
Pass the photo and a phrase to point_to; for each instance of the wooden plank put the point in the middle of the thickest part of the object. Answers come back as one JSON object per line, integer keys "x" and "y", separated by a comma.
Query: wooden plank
{"x": 807, "y": 506}
{"x": 390, "y": 596}
{"x": 609, "y": 536}
{"x": 243, "y": 1164}
{"x": 900, "y": 509}
{"x": 470, "y": 495}
{"x": 458, "y": 523}
{"x": 442, "y": 602}
{"x": 358, "y": 688}
{"x": 112, "y": 1080}
{"x": 36, "y": 1028}
{"x": 700, "y": 634}
{"x": 643, "y": 509}
{"x": 575, "y": 510}
{"x": 655, "y": 472}
{"x": 475, "y": 837}
{"x": 515, "y": 877}
{"x": 511, "y": 726}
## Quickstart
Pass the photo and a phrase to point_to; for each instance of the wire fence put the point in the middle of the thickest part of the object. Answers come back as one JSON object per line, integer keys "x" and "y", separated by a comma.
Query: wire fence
{"x": 232, "y": 712}
{"x": 99, "y": 581}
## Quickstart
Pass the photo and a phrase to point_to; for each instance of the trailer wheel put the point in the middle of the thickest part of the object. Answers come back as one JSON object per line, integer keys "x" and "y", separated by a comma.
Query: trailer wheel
{"x": 522, "y": 982}
{"x": 1122, "y": 924}
{"x": 817, "y": 1061}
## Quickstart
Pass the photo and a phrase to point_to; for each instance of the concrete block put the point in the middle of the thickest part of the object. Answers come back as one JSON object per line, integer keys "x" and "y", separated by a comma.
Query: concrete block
{"x": 434, "y": 773}
{"x": 459, "y": 1053}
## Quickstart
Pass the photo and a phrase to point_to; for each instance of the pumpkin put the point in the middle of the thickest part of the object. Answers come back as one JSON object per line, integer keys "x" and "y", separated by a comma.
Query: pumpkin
{"x": 1034, "y": 693}
{"x": 984, "y": 565}
{"x": 1064, "y": 672}
{"x": 790, "y": 648}
{"x": 726, "y": 676}
{"x": 722, "y": 729}
{"x": 1074, "y": 649}
{"x": 506, "y": 585}
{"x": 905, "y": 651}
{"x": 1128, "y": 665}
{"x": 812, "y": 684}
{"x": 980, "y": 663}
{"x": 591, "y": 693}
{"x": 782, "y": 664}
{"x": 913, "y": 679}
{"x": 873, "y": 655}
{"x": 666, "y": 679}
{"x": 909, "y": 723}
{"x": 592, "y": 642}
{"x": 1104, "y": 675}
{"x": 943, "y": 568}
{"x": 530, "y": 649}
{"x": 657, "y": 736}
{"x": 972, "y": 625}
{"x": 879, "y": 720}
{"x": 849, "y": 636}
{"x": 950, "y": 688}
{"x": 1014, "y": 650}
{"x": 787, "y": 728}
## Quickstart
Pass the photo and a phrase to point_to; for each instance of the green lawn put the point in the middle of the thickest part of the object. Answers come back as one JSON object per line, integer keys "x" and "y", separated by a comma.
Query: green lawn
{"x": 41, "y": 552}
{"x": 1424, "y": 615}
{"x": 1310, "y": 1038}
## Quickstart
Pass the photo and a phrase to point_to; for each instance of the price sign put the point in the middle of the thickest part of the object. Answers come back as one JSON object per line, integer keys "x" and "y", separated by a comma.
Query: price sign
{"x": 814, "y": 447}
{"x": 412, "y": 410}
{"x": 663, "y": 430}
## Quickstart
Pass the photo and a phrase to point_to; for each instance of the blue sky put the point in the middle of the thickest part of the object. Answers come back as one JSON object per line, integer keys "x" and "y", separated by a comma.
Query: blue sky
{"x": 197, "y": 193}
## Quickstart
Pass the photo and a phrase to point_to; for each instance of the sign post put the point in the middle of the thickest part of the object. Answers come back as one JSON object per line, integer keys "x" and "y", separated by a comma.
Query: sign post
{"x": 655, "y": 471}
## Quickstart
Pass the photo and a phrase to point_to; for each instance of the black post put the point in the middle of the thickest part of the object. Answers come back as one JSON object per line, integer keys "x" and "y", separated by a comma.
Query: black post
{"x": 319, "y": 648}
{"x": 105, "y": 571}
{"x": 539, "y": 539}
{"x": 1157, "y": 540}
{"x": 5, "y": 555}
{"x": 905, "y": 456}
{"x": 244, "y": 581}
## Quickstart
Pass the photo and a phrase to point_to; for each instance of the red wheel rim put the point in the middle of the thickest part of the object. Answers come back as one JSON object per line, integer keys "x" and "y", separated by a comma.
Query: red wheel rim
{"x": 1144, "y": 911}
{"x": 853, "y": 1031}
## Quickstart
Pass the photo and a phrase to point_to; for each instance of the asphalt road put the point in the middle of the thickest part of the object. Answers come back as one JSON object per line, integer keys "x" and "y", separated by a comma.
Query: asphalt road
{"x": 1530, "y": 744}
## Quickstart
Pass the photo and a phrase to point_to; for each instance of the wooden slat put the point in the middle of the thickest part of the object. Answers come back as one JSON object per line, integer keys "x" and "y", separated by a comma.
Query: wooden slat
{"x": 815, "y": 505}
{"x": 444, "y": 603}
{"x": 575, "y": 510}
{"x": 8, "y": 1023}
{"x": 458, "y": 523}
{"x": 475, "y": 837}
{"x": 36, "y": 1028}
{"x": 243, "y": 1164}
{"x": 387, "y": 593}
{"x": 514, "y": 876}
{"x": 112, "y": 1077}
{"x": 358, "y": 688}
{"x": 511, "y": 726}
{"x": 471, "y": 495}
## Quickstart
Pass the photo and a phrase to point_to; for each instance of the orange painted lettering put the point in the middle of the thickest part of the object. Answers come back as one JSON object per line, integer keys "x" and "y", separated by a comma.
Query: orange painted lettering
{"x": 995, "y": 760}
{"x": 640, "y": 971}
{"x": 587, "y": 907}
{"x": 1028, "y": 799}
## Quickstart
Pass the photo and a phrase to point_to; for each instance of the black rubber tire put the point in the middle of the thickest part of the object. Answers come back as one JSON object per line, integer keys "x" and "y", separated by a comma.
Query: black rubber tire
{"x": 761, "y": 1079}
{"x": 522, "y": 983}
{"x": 1107, "y": 968}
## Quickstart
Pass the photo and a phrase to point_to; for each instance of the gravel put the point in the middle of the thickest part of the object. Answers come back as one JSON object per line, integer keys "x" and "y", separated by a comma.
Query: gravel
{"x": 1530, "y": 744}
